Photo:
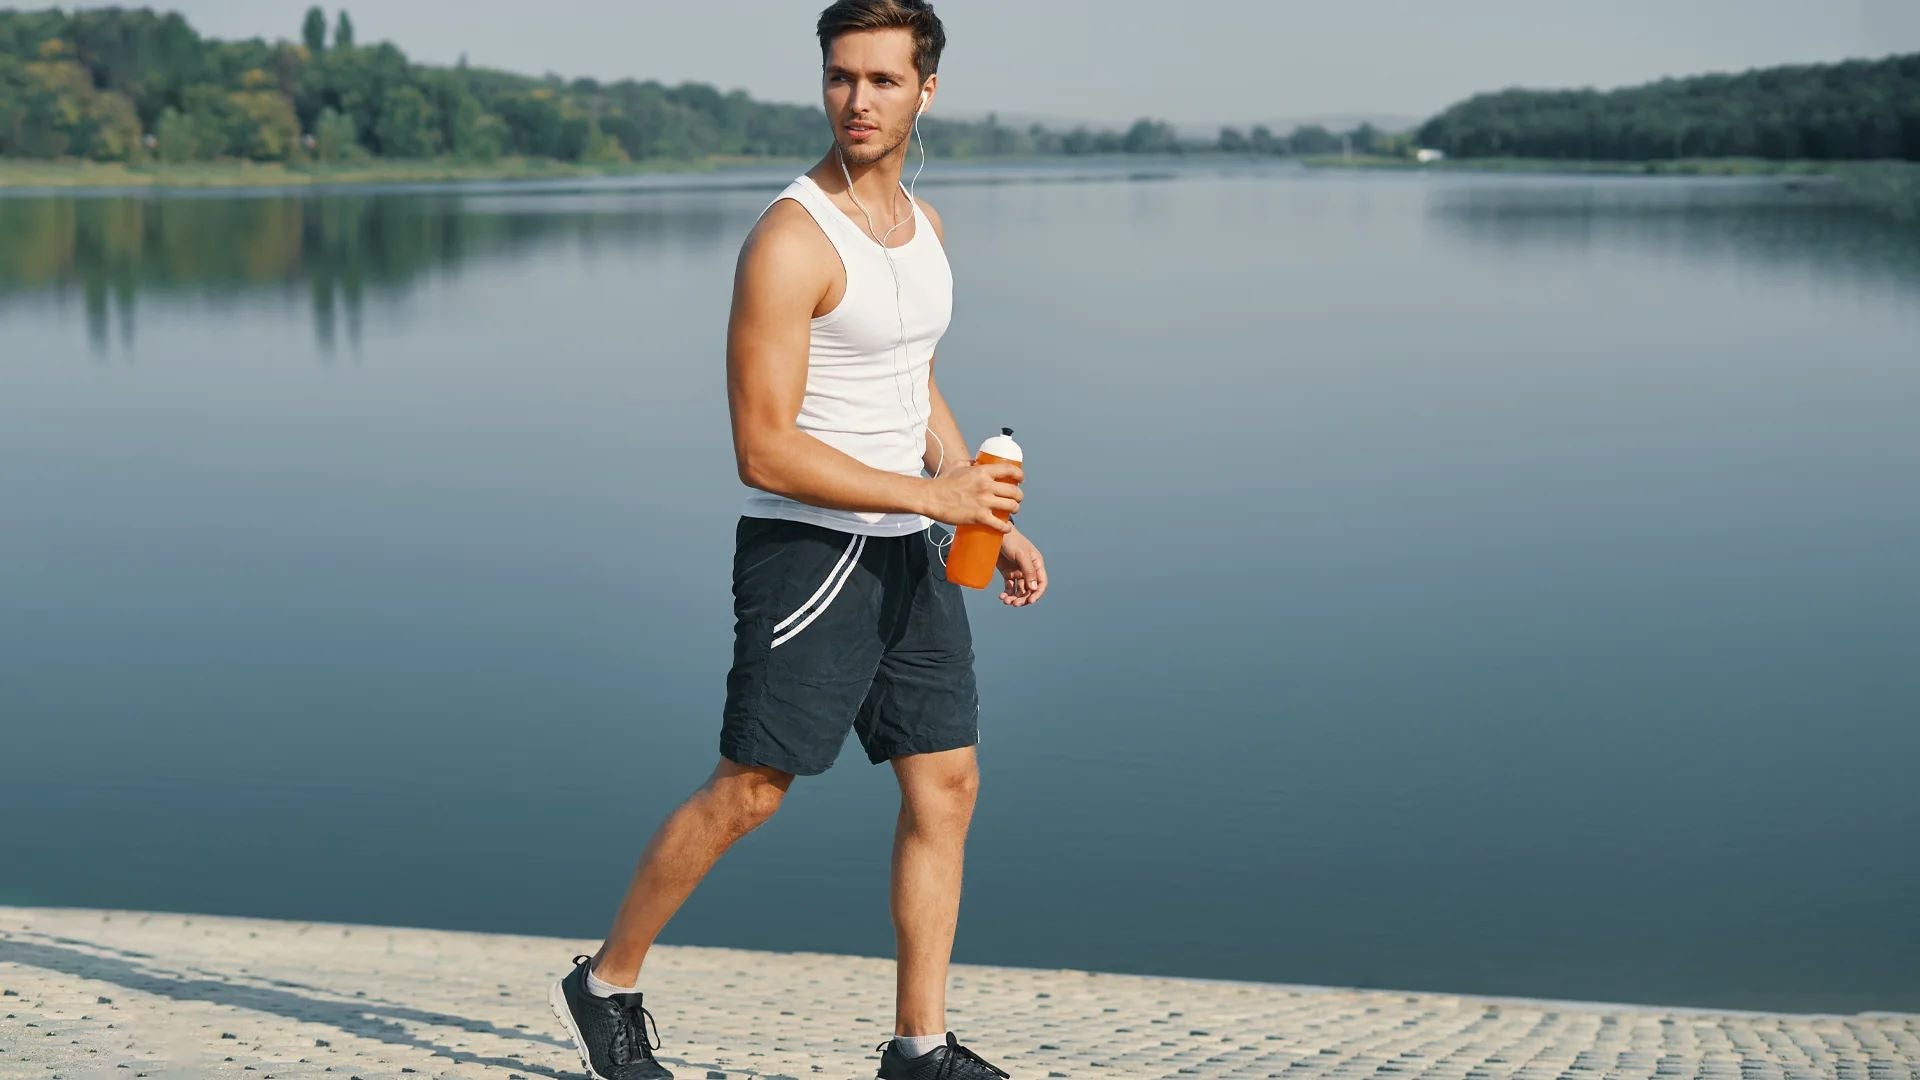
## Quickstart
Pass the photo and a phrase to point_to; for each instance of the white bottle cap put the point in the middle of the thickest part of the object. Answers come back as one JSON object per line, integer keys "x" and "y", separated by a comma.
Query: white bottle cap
{"x": 1002, "y": 446}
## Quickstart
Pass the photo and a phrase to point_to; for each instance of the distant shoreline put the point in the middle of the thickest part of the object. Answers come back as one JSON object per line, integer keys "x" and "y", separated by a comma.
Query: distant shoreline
{"x": 1888, "y": 187}
{"x": 16, "y": 173}
{"x": 1658, "y": 167}
{"x": 68, "y": 174}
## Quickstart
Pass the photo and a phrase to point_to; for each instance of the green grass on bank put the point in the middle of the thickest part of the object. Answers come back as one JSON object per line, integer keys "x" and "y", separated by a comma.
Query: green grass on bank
{"x": 1889, "y": 187}
{"x": 18, "y": 172}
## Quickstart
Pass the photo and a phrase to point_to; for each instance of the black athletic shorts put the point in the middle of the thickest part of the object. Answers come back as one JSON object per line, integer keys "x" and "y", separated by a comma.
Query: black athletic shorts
{"x": 834, "y": 630}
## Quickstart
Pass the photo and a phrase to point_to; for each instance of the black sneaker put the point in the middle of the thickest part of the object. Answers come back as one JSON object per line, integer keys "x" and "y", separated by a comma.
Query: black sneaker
{"x": 949, "y": 1062}
{"x": 610, "y": 1033}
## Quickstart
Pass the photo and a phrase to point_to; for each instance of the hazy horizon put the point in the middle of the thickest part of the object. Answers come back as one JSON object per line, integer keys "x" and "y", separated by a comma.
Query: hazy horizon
{"x": 1253, "y": 63}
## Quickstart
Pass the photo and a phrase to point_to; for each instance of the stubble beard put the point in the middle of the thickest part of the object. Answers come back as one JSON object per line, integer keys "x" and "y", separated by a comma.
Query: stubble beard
{"x": 867, "y": 154}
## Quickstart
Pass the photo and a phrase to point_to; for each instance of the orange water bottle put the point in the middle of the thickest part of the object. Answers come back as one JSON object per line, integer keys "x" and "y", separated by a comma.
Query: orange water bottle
{"x": 976, "y": 548}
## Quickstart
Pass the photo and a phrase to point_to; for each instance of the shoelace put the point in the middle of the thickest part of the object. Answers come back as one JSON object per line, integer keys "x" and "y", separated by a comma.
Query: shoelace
{"x": 956, "y": 1052}
{"x": 634, "y": 1019}
{"x": 961, "y": 1051}
{"x": 631, "y": 1038}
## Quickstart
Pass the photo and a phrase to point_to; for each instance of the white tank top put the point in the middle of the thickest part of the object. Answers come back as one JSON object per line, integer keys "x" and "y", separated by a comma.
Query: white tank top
{"x": 866, "y": 394}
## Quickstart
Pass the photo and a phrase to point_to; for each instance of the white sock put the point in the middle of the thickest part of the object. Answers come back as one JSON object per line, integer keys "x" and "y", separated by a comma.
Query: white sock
{"x": 601, "y": 988}
{"x": 914, "y": 1046}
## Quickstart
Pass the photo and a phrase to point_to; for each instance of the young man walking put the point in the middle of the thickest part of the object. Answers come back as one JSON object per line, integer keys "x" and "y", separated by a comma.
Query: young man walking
{"x": 843, "y": 618}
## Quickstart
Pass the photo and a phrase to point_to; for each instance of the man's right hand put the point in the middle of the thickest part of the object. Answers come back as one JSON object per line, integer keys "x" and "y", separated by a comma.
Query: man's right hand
{"x": 969, "y": 494}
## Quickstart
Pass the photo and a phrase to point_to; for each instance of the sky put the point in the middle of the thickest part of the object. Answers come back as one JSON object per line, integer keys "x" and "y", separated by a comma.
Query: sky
{"x": 1110, "y": 61}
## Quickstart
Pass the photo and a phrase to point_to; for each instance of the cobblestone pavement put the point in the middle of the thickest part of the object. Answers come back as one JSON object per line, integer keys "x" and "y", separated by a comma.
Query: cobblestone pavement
{"x": 125, "y": 994}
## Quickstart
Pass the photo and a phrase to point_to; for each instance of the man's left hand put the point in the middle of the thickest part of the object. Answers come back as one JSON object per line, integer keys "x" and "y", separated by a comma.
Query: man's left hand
{"x": 1022, "y": 570}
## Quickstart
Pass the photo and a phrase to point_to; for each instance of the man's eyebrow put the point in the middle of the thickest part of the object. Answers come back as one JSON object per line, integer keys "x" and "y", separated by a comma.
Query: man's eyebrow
{"x": 835, "y": 69}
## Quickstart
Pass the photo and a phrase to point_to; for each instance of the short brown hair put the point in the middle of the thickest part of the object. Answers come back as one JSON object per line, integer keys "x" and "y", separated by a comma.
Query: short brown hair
{"x": 929, "y": 37}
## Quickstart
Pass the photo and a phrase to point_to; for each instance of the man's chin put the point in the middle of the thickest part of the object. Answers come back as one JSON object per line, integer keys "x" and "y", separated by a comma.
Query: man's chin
{"x": 865, "y": 153}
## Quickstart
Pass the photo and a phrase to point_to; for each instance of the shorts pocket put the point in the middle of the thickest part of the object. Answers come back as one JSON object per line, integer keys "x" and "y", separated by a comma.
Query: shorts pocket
{"x": 822, "y": 597}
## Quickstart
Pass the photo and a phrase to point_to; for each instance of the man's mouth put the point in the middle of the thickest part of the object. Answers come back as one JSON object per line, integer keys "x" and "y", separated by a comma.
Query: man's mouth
{"x": 858, "y": 130}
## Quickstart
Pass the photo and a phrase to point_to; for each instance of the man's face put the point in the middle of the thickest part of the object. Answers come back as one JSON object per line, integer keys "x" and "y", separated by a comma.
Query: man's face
{"x": 872, "y": 92}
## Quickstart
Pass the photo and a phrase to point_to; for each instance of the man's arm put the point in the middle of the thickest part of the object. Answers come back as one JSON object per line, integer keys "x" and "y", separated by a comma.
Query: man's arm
{"x": 777, "y": 283}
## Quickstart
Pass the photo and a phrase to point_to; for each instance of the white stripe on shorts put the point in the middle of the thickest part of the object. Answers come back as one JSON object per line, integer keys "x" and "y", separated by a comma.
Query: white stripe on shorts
{"x": 842, "y": 570}
{"x": 855, "y": 548}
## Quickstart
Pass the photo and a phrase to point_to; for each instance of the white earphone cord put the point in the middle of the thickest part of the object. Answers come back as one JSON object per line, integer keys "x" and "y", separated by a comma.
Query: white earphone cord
{"x": 919, "y": 417}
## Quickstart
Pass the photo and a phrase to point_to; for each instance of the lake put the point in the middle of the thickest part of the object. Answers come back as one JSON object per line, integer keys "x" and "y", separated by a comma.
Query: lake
{"x": 1487, "y": 584}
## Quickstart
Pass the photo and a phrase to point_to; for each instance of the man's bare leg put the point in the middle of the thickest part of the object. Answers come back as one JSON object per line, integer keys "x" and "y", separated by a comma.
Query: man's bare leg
{"x": 937, "y": 793}
{"x": 733, "y": 802}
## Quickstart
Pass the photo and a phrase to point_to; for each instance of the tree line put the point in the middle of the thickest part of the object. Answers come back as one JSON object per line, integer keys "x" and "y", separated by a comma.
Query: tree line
{"x": 112, "y": 84}
{"x": 118, "y": 85}
{"x": 1856, "y": 110}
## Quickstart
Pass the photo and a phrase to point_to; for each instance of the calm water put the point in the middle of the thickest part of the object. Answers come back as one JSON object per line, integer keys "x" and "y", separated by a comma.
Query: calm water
{"x": 1479, "y": 584}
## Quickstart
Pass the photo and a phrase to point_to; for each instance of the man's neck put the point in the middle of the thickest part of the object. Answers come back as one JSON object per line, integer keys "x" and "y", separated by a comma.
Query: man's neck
{"x": 876, "y": 185}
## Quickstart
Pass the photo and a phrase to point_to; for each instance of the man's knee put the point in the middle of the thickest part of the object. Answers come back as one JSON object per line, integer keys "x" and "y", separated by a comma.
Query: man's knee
{"x": 962, "y": 785}
{"x": 748, "y": 794}
{"x": 949, "y": 791}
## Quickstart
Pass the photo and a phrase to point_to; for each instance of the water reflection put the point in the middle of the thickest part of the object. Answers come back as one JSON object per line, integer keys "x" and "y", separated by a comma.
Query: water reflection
{"x": 337, "y": 249}
{"x": 1563, "y": 538}
{"x": 1806, "y": 228}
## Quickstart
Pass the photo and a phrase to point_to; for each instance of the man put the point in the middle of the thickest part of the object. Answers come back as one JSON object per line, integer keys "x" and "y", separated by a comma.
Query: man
{"x": 843, "y": 616}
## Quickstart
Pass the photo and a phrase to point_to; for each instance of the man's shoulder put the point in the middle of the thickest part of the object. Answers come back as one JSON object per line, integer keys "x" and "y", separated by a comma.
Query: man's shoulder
{"x": 939, "y": 229}
{"x": 786, "y": 232}
{"x": 785, "y": 219}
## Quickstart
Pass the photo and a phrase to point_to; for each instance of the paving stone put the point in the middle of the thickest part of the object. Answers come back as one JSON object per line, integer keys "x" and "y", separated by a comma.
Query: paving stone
{"x": 91, "y": 993}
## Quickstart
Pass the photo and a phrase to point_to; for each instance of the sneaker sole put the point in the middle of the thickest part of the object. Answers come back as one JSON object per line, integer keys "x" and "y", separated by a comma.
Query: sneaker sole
{"x": 557, "y": 1001}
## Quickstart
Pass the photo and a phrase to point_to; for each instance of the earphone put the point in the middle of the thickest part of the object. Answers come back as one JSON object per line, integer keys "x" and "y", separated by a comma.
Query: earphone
{"x": 900, "y": 304}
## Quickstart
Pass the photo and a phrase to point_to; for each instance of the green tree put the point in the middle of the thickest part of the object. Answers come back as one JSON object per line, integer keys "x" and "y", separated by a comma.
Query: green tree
{"x": 336, "y": 137}
{"x": 1078, "y": 141}
{"x": 995, "y": 140}
{"x": 1856, "y": 109}
{"x": 263, "y": 126}
{"x": 1232, "y": 142}
{"x": 1149, "y": 137}
{"x": 184, "y": 137}
{"x": 113, "y": 128}
{"x": 217, "y": 128}
{"x": 538, "y": 123}
{"x": 1312, "y": 139}
{"x": 314, "y": 31}
{"x": 473, "y": 134}
{"x": 407, "y": 126}
{"x": 224, "y": 96}
{"x": 355, "y": 82}
{"x": 602, "y": 148}
{"x": 50, "y": 107}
